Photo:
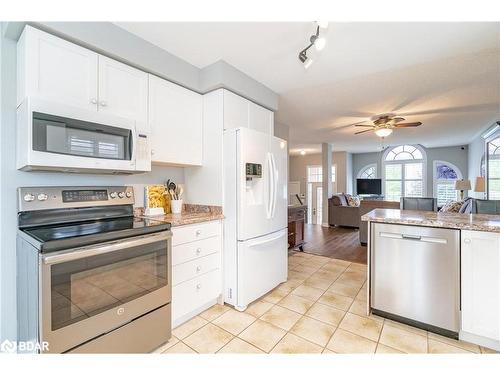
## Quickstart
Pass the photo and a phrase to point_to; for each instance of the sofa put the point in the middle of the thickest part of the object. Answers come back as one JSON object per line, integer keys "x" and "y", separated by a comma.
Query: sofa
{"x": 341, "y": 214}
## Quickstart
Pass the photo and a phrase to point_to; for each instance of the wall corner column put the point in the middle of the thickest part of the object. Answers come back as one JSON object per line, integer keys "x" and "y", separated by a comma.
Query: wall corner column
{"x": 326, "y": 162}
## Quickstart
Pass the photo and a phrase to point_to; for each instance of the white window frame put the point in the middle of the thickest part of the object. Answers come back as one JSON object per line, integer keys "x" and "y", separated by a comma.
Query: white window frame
{"x": 403, "y": 162}
{"x": 334, "y": 175}
{"x": 362, "y": 170}
{"x": 488, "y": 140}
{"x": 435, "y": 179}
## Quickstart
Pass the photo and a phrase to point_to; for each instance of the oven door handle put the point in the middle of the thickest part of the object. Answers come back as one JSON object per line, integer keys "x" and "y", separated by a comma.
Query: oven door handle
{"x": 88, "y": 251}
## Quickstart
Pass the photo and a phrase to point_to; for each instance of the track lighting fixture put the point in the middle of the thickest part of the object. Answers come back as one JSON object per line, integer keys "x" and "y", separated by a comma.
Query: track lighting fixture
{"x": 315, "y": 40}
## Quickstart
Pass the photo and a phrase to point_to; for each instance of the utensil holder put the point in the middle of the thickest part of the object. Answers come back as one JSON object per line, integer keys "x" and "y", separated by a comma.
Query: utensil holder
{"x": 176, "y": 206}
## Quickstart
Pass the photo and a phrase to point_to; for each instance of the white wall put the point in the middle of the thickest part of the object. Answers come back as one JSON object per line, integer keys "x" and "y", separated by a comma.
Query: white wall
{"x": 12, "y": 178}
{"x": 298, "y": 169}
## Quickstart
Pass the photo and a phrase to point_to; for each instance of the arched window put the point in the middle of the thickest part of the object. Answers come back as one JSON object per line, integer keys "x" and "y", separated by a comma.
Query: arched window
{"x": 368, "y": 171}
{"x": 403, "y": 172}
{"x": 445, "y": 175}
{"x": 493, "y": 171}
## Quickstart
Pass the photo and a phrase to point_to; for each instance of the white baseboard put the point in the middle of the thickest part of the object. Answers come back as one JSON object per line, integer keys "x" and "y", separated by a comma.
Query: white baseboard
{"x": 479, "y": 340}
{"x": 325, "y": 225}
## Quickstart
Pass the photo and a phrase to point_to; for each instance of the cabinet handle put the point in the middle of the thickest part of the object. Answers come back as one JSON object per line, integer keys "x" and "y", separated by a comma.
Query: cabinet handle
{"x": 198, "y": 286}
{"x": 198, "y": 251}
{"x": 93, "y": 100}
{"x": 152, "y": 152}
{"x": 103, "y": 103}
{"x": 198, "y": 269}
{"x": 198, "y": 232}
{"x": 467, "y": 241}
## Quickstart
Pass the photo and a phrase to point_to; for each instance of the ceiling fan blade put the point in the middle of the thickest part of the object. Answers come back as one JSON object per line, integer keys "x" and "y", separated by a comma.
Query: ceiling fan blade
{"x": 366, "y": 126}
{"x": 408, "y": 125}
{"x": 364, "y": 131}
{"x": 397, "y": 119}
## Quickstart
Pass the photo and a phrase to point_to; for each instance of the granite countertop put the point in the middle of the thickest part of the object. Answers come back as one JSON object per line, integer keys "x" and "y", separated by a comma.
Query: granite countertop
{"x": 191, "y": 214}
{"x": 478, "y": 222}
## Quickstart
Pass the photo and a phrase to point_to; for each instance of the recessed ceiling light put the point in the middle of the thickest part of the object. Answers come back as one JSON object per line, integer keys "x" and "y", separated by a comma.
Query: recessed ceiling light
{"x": 303, "y": 152}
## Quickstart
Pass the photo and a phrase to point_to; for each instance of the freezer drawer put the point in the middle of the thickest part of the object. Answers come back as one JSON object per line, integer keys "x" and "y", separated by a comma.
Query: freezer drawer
{"x": 415, "y": 274}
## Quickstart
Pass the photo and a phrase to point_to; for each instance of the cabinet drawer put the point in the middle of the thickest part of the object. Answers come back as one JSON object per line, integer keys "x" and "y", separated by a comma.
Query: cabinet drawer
{"x": 189, "y": 233}
{"x": 192, "y": 294}
{"x": 196, "y": 249}
{"x": 189, "y": 270}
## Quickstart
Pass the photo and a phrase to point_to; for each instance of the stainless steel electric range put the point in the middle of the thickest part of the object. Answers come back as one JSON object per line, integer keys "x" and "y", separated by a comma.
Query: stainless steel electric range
{"x": 92, "y": 278}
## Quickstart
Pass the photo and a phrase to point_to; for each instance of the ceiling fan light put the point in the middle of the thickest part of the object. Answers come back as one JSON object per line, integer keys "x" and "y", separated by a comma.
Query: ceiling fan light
{"x": 303, "y": 152}
{"x": 383, "y": 132}
{"x": 320, "y": 43}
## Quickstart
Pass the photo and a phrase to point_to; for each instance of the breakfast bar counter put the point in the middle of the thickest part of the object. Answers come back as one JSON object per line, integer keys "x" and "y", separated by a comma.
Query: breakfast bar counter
{"x": 474, "y": 222}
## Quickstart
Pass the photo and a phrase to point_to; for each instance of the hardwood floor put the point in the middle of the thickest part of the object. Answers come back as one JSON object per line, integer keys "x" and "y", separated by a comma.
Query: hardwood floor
{"x": 334, "y": 242}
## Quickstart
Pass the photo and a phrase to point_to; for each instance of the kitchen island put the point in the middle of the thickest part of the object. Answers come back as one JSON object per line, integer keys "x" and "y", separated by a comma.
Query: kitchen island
{"x": 437, "y": 271}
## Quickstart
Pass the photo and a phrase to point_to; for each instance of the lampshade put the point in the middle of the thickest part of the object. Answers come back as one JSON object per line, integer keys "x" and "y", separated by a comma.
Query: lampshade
{"x": 480, "y": 186}
{"x": 462, "y": 185}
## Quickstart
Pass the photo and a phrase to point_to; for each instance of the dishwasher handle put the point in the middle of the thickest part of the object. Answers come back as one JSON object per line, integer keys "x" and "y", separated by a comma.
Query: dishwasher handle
{"x": 412, "y": 237}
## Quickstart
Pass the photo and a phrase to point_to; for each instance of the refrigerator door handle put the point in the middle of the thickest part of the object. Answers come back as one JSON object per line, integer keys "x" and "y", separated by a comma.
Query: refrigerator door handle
{"x": 270, "y": 187}
{"x": 275, "y": 185}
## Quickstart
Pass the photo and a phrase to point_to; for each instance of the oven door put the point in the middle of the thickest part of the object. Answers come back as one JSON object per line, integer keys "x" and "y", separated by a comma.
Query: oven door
{"x": 53, "y": 136}
{"x": 88, "y": 291}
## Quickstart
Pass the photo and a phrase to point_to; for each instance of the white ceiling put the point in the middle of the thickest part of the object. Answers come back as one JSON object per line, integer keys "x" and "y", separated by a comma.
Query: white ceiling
{"x": 446, "y": 75}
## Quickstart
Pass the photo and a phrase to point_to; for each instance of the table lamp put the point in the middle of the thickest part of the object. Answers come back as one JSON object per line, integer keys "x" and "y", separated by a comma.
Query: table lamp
{"x": 462, "y": 185}
{"x": 480, "y": 185}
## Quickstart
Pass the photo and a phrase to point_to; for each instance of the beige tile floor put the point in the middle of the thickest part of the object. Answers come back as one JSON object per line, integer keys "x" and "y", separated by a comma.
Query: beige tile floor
{"x": 320, "y": 309}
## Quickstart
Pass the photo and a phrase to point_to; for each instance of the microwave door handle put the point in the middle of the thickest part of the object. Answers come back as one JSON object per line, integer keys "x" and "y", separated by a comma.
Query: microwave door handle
{"x": 88, "y": 251}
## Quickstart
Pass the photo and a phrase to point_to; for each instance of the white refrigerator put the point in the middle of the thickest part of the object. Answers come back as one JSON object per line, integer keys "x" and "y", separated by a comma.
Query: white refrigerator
{"x": 256, "y": 210}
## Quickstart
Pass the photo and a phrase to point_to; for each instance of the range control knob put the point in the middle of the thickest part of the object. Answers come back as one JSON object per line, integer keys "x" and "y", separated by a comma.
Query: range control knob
{"x": 128, "y": 194}
{"x": 28, "y": 197}
{"x": 112, "y": 195}
{"x": 121, "y": 194}
{"x": 42, "y": 197}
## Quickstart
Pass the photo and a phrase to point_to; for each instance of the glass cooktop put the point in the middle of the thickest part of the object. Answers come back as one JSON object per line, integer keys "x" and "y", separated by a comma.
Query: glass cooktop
{"x": 65, "y": 236}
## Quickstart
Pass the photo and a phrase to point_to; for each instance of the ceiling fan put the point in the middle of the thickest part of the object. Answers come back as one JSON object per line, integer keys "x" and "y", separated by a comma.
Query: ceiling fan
{"x": 383, "y": 125}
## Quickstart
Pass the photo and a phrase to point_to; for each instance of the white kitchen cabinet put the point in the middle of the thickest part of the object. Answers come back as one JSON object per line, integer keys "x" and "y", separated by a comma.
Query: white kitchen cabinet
{"x": 123, "y": 91}
{"x": 176, "y": 121}
{"x": 196, "y": 269}
{"x": 51, "y": 68}
{"x": 56, "y": 70}
{"x": 260, "y": 119}
{"x": 235, "y": 111}
{"x": 242, "y": 113}
{"x": 480, "y": 282}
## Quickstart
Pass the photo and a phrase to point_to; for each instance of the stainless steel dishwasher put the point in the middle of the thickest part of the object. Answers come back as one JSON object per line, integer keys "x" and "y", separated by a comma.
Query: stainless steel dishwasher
{"x": 415, "y": 276}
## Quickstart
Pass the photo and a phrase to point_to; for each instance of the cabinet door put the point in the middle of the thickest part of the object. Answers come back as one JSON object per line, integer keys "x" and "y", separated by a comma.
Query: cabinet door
{"x": 123, "y": 91}
{"x": 481, "y": 283}
{"x": 56, "y": 70}
{"x": 260, "y": 119}
{"x": 176, "y": 122}
{"x": 235, "y": 111}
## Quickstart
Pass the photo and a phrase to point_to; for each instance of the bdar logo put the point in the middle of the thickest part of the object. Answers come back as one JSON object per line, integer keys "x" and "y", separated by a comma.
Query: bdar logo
{"x": 8, "y": 346}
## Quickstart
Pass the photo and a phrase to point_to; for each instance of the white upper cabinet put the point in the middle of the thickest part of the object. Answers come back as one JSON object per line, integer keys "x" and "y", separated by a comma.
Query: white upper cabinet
{"x": 242, "y": 113}
{"x": 260, "y": 119}
{"x": 480, "y": 282}
{"x": 123, "y": 91}
{"x": 54, "y": 69}
{"x": 235, "y": 111}
{"x": 176, "y": 121}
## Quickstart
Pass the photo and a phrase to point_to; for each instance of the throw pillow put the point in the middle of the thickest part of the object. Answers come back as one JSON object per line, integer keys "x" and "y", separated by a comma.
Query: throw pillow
{"x": 466, "y": 207}
{"x": 343, "y": 199}
{"x": 452, "y": 206}
{"x": 352, "y": 201}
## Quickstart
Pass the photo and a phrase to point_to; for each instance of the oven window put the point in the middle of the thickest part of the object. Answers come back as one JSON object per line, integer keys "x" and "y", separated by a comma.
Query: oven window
{"x": 85, "y": 287}
{"x": 74, "y": 137}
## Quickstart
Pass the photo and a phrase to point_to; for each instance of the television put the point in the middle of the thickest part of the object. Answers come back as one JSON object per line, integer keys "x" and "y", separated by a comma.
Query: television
{"x": 369, "y": 186}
